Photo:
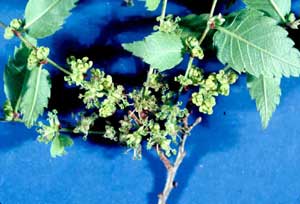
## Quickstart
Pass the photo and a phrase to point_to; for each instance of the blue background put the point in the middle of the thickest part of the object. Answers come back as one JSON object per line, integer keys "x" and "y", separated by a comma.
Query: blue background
{"x": 230, "y": 159}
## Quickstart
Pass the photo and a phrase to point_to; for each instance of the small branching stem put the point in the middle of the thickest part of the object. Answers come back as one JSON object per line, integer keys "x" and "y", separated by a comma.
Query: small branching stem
{"x": 30, "y": 45}
{"x": 172, "y": 169}
{"x": 207, "y": 29}
{"x": 163, "y": 11}
{"x": 202, "y": 38}
{"x": 67, "y": 130}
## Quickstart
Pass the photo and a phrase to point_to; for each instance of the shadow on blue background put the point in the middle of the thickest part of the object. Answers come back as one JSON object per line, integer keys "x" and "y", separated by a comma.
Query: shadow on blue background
{"x": 230, "y": 159}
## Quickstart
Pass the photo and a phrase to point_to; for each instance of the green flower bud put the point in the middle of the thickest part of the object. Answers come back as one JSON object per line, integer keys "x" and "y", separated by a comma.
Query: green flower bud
{"x": 85, "y": 124}
{"x": 232, "y": 77}
{"x": 79, "y": 68}
{"x": 224, "y": 89}
{"x": 168, "y": 25}
{"x": 291, "y": 18}
{"x": 211, "y": 83}
{"x": 48, "y": 132}
{"x": 197, "y": 52}
{"x": 42, "y": 53}
{"x": 16, "y": 24}
{"x": 110, "y": 133}
{"x": 37, "y": 57}
{"x": 8, "y": 111}
{"x": 183, "y": 81}
{"x": 107, "y": 109}
{"x": 8, "y": 33}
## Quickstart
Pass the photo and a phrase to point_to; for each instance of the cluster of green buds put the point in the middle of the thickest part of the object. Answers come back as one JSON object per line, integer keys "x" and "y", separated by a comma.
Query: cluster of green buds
{"x": 115, "y": 97}
{"x": 110, "y": 133}
{"x": 193, "y": 47}
{"x": 37, "y": 57}
{"x": 169, "y": 24}
{"x": 15, "y": 25}
{"x": 173, "y": 116}
{"x": 155, "y": 82}
{"x": 194, "y": 77}
{"x": 134, "y": 138}
{"x": 47, "y": 133}
{"x": 84, "y": 125}
{"x": 212, "y": 86}
{"x": 95, "y": 88}
{"x": 79, "y": 68}
{"x": 144, "y": 100}
{"x": 216, "y": 21}
{"x": 159, "y": 137}
{"x": 292, "y": 21}
{"x": 8, "y": 111}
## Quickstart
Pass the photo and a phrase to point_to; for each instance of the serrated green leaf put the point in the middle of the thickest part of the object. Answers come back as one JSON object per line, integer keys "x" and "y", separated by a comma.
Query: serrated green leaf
{"x": 35, "y": 95}
{"x": 59, "y": 144}
{"x": 266, "y": 92}
{"x": 276, "y": 9}
{"x": 152, "y": 5}
{"x": 45, "y": 17}
{"x": 14, "y": 74}
{"x": 161, "y": 50}
{"x": 254, "y": 43}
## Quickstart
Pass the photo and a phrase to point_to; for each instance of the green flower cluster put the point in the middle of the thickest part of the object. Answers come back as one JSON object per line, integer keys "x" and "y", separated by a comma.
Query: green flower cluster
{"x": 47, "y": 133}
{"x": 84, "y": 124}
{"x": 212, "y": 86}
{"x": 155, "y": 82}
{"x": 169, "y": 24}
{"x": 171, "y": 117}
{"x": 292, "y": 21}
{"x": 194, "y": 78}
{"x": 79, "y": 68}
{"x": 97, "y": 86}
{"x": 144, "y": 100}
{"x": 159, "y": 137}
{"x": 216, "y": 21}
{"x": 115, "y": 97}
{"x": 37, "y": 57}
{"x": 110, "y": 133}
{"x": 193, "y": 47}
{"x": 15, "y": 25}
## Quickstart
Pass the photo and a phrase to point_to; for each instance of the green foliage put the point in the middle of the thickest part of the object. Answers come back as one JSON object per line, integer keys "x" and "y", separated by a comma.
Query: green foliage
{"x": 152, "y": 5}
{"x": 193, "y": 25}
{"x": 254, "y": 44}
{"x": 14, "y": 74}
{"x": 266, "y": 92}
{"x": 51, "y": 134}
{"x": 35, "y": 95}
{"x": 277, "y": 9}
{"x": 45, "y": 17}
{"x": 161, "y": 50}
{"x": 153, "y": 114}
{"x": 59, "y": 144}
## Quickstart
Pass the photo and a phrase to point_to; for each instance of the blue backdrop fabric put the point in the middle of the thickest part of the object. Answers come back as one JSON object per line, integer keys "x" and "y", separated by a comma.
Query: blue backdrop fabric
{"x": 230, "y": 159}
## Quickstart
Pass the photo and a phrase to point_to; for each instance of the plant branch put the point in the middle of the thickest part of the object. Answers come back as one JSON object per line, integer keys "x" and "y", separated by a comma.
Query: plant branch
{"x": 30, "y": 45}
{"x": 67, "y": 130}
{"x": 207, "y": 29}
{"x": 172, "y": 170}
{"x": 202, "y": 38}
{"x": 163, "y": 11}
